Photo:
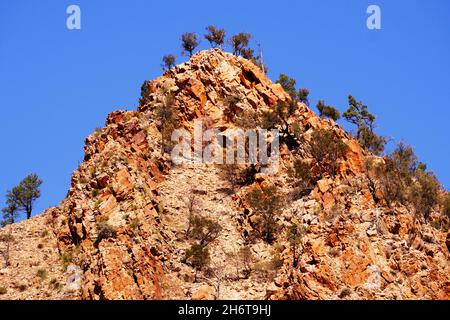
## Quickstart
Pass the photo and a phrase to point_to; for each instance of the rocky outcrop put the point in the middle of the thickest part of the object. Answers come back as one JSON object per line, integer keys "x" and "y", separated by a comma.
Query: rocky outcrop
{"x": 36, "y": 270}
{"x": 122, "y": 224}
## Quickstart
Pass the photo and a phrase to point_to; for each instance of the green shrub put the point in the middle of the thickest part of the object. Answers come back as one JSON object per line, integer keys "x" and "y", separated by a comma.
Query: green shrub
{"x": 265, "y": 203}
{"x": 328, "y": 111}
{"x": 295, "y": 235}
{"x": 300, "y": 173}
{"x": 67, "y": 257}
{"x": 278, "y": 118}
{"x": 358, "y": 114}
{"x": 371, "y": 141}
{"x": 204, "y": 230}
{"x": 288, "y": 85}
{"x": 135, "y": 223}
{"x": 302, "y": 96}
{"x": 403, "y": 161}
{"x": 238, "y": 175}
{"x": 327, "y": 149}
{"x": 198, "y": 256}
{"x": 396, "y": 174}
{"x": 42, "y": 273}
{"x": 55, "y": 285}
{"x": 95, "y": 192}
{"x": 276, "y": 262}
{"x": 446, "y": 205}
{"x": 423, "y": 194}
{"x": 105, "y": 231}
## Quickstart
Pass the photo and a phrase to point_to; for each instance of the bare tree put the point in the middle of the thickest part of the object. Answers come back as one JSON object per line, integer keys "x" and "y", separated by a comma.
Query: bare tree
{"x": 215, "y": 36}
{"x": 168, "y": 62}
{"x": 189, "y": 41}
{"x": 216, "y": 275}
{"x": 9, "y": 214}
{"x": 239, "y": 42}
{"x": 191, "y": 203}
{"x": 295, "y": 235}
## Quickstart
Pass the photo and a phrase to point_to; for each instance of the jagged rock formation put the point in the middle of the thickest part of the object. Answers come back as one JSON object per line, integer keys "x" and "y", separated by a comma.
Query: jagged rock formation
{"x": 125, "y": 214}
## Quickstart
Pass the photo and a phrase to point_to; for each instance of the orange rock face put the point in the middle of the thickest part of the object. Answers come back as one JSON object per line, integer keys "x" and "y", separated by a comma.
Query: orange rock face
{"x": 130, "y": 244}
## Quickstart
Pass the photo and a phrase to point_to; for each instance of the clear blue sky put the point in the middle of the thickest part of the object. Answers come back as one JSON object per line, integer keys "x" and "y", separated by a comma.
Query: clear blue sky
{"x": 57, "y": 85}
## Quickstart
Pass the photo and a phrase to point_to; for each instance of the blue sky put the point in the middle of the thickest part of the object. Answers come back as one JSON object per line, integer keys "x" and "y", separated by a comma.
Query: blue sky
{"x": 58, "y": 85}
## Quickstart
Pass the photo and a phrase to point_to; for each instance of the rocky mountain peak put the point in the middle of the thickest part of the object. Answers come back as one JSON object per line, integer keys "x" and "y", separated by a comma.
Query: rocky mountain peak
{"x": 121, "y": 231}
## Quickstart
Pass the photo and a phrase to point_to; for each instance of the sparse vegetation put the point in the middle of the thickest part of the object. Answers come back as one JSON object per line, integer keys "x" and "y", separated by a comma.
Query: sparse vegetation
{"x": 401, "y": 178}
{"x": 446, "y": 205}
{"x": 105, "y": 231}
{"x": 8, "y": 239}
{"x": 358, "y": 114}
{"x": 276, "y": 262}
{"x": 189, "y": 41}
{"x": 135, "y": 223}
{"x": 191, "y": 205}
{"x": 300, "y": 173}
{"x": 302, "y": 96}
{"x": 328, "y": 111}
{"x": 67, "y": 257}
{"x": 247, "y": 119}
{"x": 167, "y": 115}
{"x": 23, "y": 196}
{"x": 22, "y": 287}
{"x": 41, "y": 273}
{"x": 424, "y": 193}
{"x": 246, "y": 258}
{"x": 288, "y": 85}
{"x": 278, "y": 118}
{"x": 344, "y": 293}
{"x": 327, "y": 149}
{"x": 204, "y": 230}
{"x": 95, "y": 192}
{"x": 295, "y": 235}
{"x": 239, "y": 42}
{"x": 10, "y": 213}
{"x": 198, "y": 257}
{"x": 215, "y": 36}
{"x": 238, "y": 175}
{"x": 3, "y": 290}
{"x": 55, "y": 285}
{"x": 266, "y": 203}
{"x": 168, "y": 62}
{"x": 396, "y": 173}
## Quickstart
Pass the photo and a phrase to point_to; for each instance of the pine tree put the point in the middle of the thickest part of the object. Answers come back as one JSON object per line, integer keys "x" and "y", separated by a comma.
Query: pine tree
{"x": 23, "y": 196}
